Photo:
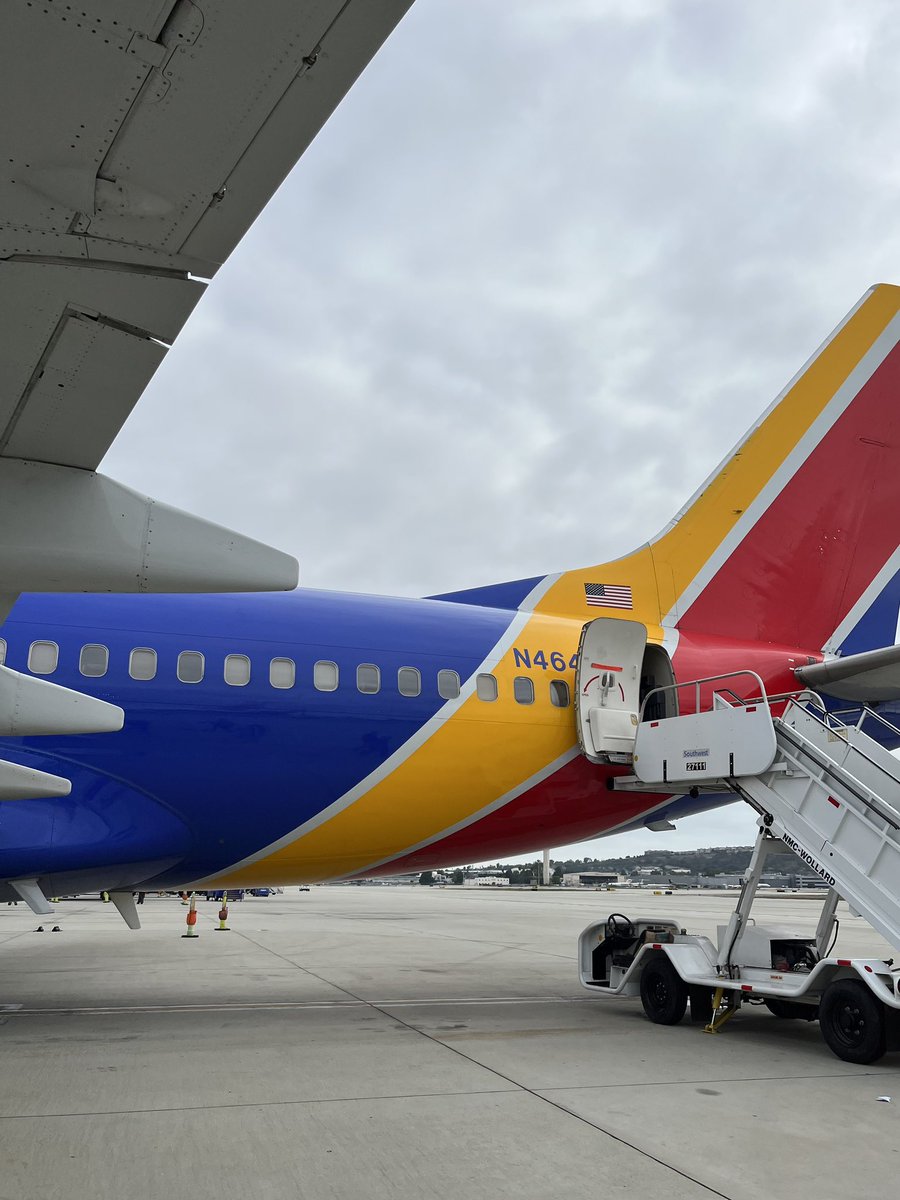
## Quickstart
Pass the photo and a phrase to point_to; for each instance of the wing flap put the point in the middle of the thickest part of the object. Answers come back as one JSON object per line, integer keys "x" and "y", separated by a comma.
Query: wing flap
{"x": 111, "y": 365}
{"x": 88, "y": 341}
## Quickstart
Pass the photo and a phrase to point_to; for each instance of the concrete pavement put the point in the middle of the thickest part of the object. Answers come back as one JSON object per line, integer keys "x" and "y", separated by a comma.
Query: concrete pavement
{"x": 406, "y": 1042}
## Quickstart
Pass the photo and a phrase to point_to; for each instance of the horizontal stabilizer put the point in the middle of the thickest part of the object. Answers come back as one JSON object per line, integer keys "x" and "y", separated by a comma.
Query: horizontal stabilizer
{"x": 863, "y": 678}
{"x": 30, "y": 707}
{"x": 24, "y": 783}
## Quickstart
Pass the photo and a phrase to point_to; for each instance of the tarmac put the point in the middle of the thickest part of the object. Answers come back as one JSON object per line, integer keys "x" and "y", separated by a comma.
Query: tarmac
{"x": 408, "y": 1042}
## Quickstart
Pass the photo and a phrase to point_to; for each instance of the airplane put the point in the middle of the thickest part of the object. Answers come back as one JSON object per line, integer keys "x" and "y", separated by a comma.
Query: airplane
{"x": 176, "y": 715}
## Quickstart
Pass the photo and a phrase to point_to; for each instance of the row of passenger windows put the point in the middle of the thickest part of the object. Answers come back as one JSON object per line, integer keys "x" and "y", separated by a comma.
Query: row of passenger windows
{"x": 93, "y": 662}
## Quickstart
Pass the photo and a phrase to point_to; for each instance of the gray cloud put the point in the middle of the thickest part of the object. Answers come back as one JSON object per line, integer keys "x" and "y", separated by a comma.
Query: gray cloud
{"x": 539, "y": 272}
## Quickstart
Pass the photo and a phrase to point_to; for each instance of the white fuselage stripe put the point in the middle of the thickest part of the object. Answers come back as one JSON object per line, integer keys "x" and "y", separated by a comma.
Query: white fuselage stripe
{"x": 402, "y": 753}
{"x": 863, "y": 604}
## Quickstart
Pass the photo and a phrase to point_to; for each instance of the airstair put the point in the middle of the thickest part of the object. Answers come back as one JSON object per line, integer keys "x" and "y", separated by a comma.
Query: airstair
{"x": 823, "y": 787}
{"x": 828, "y": 790}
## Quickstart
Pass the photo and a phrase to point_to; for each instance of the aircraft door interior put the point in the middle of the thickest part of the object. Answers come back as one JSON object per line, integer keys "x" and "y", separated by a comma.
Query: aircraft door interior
{"x": 616, "y": 669}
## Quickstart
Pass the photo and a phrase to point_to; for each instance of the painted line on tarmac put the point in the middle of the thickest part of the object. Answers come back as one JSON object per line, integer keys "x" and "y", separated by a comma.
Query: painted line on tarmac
{"x": 216, "y": 1106}
{"x": 284, "y": 1006}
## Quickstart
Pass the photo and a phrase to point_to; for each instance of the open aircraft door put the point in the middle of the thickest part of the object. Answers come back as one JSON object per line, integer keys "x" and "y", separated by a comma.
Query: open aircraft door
{"x": 615, "y": 670}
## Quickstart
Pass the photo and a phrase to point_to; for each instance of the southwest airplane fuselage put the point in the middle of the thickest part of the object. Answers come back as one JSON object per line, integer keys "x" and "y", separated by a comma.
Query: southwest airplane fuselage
{"x": 291, "y": 737}
{"x": 279, "y": 780}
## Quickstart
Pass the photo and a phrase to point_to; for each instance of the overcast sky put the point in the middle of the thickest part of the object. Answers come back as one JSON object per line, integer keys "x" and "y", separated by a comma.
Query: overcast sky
{"x": 542, "y": 268}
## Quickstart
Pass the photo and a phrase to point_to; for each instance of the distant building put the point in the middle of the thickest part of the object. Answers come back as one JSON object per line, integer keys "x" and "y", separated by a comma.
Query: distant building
{"x": 486, "y": 880}
{"x": 720, "y": 881}
{"x": 591, "y": 878}
{"x": 767, "y": 881}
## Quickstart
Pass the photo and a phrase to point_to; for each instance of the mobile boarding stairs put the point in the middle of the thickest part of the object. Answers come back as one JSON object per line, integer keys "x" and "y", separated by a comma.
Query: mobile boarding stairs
{"x": 826, "y": 790}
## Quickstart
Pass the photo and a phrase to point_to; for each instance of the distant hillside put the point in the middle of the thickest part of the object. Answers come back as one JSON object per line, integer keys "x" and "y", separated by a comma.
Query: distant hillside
{"x": 714, "y": 860}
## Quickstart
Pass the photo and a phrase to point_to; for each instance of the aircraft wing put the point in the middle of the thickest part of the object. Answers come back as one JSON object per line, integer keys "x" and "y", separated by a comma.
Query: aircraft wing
{"x": 142, "y": 138}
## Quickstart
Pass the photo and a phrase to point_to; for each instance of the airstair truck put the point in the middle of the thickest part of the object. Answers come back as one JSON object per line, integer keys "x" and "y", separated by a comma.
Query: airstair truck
{"x": 822, "y": 787}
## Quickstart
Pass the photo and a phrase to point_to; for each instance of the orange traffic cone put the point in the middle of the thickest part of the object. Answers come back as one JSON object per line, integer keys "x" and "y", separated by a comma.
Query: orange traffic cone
{"x": 223, "y": 915}
{"x": 191, "y": 919}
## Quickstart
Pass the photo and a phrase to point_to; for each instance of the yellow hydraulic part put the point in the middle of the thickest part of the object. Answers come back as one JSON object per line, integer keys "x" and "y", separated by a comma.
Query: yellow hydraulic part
{"x": 719, "y": 1020}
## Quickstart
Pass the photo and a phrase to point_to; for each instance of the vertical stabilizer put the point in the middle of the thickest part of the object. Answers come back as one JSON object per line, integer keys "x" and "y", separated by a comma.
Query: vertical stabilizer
{"x": 794, "y": 538}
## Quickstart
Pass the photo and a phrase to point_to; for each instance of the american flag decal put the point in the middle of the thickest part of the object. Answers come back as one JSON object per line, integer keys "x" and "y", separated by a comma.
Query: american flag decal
{"x": 608, "y": 595}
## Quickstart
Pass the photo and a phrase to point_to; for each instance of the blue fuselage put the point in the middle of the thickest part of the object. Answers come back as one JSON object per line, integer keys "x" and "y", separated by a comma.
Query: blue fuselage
{"x": 203, "y": 773}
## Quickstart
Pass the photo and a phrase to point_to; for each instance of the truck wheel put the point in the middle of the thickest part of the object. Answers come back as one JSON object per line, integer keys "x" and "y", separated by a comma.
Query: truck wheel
{"x": 701, "y": 1005}
{"x": 791, "y": 1010}
{"x": 664, "y": 995}
{"x": 852, "y": 1021}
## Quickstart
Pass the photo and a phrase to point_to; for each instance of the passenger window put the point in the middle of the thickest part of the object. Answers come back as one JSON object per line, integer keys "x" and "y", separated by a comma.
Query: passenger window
{"x": 94, "y": 661}
{"x": 237, "y": 670}
{"x": 523, "y": 690}
{"x": 43, "y": 657}
{"x": 282, "y": 673}
{"x": 325, "y": 676}
{"x": 448, "y": 685}
{"x": 368, "y": 678}
{"x": 486, "y": 687}
{"x": 559, "y": 693}
{"x": 2, "y": 651}
{"x": 142, "y": 663}
{"x": 409, "y": 681}
{"x": 190, "y": 666}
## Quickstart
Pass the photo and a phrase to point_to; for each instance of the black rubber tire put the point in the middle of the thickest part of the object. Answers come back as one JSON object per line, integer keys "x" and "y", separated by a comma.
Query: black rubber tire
{"x": 664, "y": 994}
{"x": 701, "y": 1000}
{"x": 852, "y": 1021}
{"x": 791, "y": 1010}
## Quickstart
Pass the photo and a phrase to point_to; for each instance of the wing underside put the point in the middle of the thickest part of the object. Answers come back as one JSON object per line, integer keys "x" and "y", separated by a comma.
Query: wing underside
{"x": 148, "y": 135}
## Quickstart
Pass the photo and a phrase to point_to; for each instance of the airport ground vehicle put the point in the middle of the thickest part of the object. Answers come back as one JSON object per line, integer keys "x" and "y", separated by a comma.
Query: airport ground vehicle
{"x": 826, "y": 790}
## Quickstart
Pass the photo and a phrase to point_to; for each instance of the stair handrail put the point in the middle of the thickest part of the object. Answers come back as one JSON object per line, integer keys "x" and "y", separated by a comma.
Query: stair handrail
{"x": 865, "y": 712}
{"x": 762, "y": 698}
{"x": 871, "y": 799}
{"x": 860, "y": 713}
